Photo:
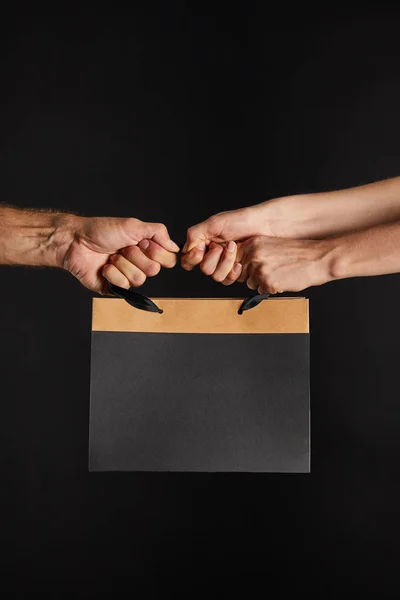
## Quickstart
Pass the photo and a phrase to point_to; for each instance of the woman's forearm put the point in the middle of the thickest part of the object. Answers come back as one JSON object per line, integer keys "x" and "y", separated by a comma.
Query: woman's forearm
{"x": 374, "y": 251}
{"x": 333, "y": 213}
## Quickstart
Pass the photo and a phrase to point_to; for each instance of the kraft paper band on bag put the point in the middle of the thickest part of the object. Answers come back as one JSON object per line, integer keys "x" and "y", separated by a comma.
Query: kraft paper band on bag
{"x": 199, "y": 387}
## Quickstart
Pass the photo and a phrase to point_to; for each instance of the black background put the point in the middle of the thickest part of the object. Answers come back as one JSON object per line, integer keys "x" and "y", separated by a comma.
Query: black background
{"x": 173, "y": 112}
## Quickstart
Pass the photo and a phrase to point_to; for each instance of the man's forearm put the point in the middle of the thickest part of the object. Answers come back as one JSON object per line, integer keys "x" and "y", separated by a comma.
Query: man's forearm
{"x": 375, "y": 251}
{"x": 333, "y": 213}
{"x": 34, "y": 238}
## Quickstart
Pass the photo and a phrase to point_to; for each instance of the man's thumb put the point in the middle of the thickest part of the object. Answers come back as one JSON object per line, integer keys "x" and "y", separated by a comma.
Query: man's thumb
{"x": 158, "y": 232}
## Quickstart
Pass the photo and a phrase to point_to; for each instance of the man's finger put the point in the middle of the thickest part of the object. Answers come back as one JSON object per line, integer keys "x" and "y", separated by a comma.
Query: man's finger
{"x": 137, "y": 257}
{"x": 114, "y": 276}
{"x": 158, "y": 253}
{"x": 133, "y": 274}
{"x": 159, "y": 234}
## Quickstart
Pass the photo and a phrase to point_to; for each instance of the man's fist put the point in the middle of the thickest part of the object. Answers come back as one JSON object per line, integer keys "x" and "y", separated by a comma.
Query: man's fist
{"x": 122, "y": 251}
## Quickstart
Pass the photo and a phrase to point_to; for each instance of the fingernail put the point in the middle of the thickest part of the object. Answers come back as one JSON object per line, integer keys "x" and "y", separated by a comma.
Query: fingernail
{"x": 144, "y": 244}
{"x": 231, "y": 247}
{"x": 174, "y": 247}
{"x": 202, "y": 246}
{"x": 237, "y": 268}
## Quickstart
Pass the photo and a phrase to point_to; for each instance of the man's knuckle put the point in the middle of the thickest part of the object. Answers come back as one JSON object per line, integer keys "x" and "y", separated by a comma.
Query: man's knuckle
{"x": 116, "y": 259}
{"x": 129, "y": 223}
{"x": 171, "y": 262}
{"x": 129, "y": 252}
{"x": 161, "y": 227}
{"x": 153, "y": 269}
{"x": 106, "y": 269}
{"x": 137, "y": 279}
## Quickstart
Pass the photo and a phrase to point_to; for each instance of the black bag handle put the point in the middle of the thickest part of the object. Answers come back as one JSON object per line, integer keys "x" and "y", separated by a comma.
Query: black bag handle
{"x": 144, "y": 303}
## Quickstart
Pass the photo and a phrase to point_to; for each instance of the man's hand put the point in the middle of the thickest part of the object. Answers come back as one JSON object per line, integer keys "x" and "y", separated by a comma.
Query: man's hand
{"x": 120, "y": 251}
{"x": 95, "y": 250}
{"x": 272, "y": 265}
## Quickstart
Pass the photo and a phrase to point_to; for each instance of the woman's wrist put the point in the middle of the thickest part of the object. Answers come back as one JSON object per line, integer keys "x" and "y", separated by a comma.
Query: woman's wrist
{"x": 285, "y": 217}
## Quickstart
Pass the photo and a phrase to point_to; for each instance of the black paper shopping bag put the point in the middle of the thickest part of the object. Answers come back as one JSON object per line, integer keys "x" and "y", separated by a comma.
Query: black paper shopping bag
{"x": 200, "y": 387}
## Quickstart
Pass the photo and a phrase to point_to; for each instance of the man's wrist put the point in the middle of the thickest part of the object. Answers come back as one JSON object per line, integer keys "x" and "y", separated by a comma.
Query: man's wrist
{"x": 35, "y": 238}
{"x": 67, "y": 228}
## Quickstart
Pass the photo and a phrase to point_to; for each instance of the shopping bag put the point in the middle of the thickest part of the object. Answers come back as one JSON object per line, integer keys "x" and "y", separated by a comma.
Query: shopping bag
{"x": 192, "y": 385}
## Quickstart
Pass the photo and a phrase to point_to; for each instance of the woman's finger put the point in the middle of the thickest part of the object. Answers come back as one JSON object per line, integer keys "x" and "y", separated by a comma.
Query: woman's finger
{"x": 211, "y": 259}
{"x": 252, "y": 282}
{"x": 193, "y": 258}
{"x": 233, "y": 275}
{"x": 226, "y": 262}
